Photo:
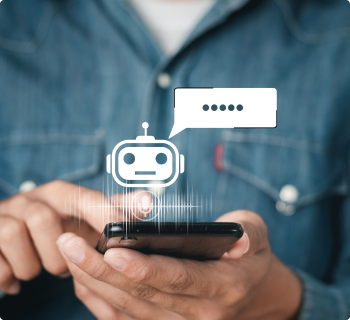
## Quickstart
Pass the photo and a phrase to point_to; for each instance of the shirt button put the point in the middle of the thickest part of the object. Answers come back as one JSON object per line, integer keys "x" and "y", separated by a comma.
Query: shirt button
{"x": 27, "y": 186}
{"x": 164, "y": 80}
{"x": 289, "y": 194}
{"x": 284, "y": 208}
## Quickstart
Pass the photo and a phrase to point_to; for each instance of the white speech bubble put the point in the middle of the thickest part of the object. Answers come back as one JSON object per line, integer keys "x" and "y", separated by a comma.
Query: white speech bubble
{"x": 259, "y": 108}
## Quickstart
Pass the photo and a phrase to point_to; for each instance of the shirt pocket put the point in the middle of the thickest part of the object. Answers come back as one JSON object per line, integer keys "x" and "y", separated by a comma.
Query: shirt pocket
{"x": 44, "y": 157}
{"x": 292, "y": 173}
{"x": 30, "y": 30}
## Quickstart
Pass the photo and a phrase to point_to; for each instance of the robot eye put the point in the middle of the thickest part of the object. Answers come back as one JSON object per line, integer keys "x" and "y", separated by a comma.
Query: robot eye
{"x": 161, "y": 158}
{"x": 129, "y": 158}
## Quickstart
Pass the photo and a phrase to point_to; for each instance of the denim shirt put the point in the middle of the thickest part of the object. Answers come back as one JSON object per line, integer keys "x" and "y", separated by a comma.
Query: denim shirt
{"x": 77, "y": 77}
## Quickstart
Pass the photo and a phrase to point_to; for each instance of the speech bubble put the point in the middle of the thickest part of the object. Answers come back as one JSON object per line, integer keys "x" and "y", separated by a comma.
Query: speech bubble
{"x": 235, "y": 108}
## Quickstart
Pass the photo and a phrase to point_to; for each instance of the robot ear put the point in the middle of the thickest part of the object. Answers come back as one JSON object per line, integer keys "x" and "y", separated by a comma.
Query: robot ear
{"x": 182, "y": 163}
{"x": 108, "y": 163}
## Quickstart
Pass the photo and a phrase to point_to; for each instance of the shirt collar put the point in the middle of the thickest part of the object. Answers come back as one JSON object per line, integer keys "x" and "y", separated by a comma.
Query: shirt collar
{"x": 218, "y": 14}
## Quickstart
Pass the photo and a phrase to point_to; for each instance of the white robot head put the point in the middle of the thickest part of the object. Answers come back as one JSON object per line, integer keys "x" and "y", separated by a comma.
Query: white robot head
{"x": 145, "y": 161}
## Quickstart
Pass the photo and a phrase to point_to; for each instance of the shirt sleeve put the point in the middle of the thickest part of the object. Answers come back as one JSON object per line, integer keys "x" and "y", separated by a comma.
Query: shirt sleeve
{"x": 324, "y": 301}
{"x": 2, "y": 294}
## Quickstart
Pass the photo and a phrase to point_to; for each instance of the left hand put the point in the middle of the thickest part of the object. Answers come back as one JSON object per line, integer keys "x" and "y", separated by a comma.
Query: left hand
{"x": 247, "y": 282}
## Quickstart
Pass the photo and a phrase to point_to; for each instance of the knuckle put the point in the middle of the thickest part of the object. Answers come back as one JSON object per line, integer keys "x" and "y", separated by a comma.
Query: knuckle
{"x": 5, "y": 275}
{"x": 14, "y": 205}
{"x": 40, "y": 216}
{"x": 217, "y": 315}
{"x": 99, "y": 271}
{"x": 79, "y": 275}
{"x": 56, "y": 186}
{"x": 234, "y": 297}
{"x": 95, "y": 196}
{"x": 122, "y": 303}
{"x": 143, "y": 292}
{"x": 181, "y": 281}
{"x": 11, "y": 229}
{"x": 57, "y": 183}
{"x": 196, "y": 312}
{"x": 207, "y": 312}
{"x": 30, "y": 273}
{"x": 262, "y": 225}
{"x": 142, "y": 274}
{"x": 56, "y": 268}
{"x": 82, "y": 292}
{"x": 257, "y": 230}
{"x": 19, "y": 202}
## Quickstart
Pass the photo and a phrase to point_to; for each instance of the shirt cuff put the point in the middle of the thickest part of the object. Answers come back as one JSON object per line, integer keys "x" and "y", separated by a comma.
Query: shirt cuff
{"x": 322, "y": 301}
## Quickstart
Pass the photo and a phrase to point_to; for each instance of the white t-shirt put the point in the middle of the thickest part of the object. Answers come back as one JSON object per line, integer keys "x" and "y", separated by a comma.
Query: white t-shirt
{"x": 171, "y": 21}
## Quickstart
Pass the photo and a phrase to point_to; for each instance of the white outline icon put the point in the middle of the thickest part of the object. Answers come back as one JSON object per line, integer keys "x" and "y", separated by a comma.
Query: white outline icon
{"x": 153, "y": 205}
{"x": 145, "y": 162}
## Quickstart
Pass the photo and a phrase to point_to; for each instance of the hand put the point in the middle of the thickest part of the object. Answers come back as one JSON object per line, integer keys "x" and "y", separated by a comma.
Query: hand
{"x": 31, "y": 222}
{"x": 248, "y": 282}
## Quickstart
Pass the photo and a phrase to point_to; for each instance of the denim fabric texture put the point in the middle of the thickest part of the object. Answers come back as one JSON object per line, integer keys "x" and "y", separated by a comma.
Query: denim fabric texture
{"x": 77, "y": 77}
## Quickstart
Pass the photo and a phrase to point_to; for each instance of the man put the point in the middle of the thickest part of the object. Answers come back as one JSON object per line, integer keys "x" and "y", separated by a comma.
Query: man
{"x": 79, "y": 76}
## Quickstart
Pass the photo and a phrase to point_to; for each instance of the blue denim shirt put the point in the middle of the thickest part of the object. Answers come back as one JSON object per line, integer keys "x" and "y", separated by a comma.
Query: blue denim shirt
{"x": 77, "y": 77}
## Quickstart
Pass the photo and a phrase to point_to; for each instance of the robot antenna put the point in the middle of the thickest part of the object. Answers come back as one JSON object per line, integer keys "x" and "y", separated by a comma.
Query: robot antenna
{"x": 145, "y": 126}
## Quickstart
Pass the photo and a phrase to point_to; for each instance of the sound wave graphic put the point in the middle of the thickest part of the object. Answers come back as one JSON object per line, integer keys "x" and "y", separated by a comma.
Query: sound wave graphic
{"x": 118, "y": 204}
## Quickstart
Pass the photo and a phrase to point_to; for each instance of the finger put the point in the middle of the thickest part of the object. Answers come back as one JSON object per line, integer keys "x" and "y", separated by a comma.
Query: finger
{"x": 66, "y": 199}
{"x": 120, "y": 300}
{"x": 89, "y": 269}
{"x": 80, "y": 252}
{"x": 14, "y": 206}
{"x": 8, "y": 283}
{"x": 256, "y": 237}
{"x": 90, "y": 205}
{"x": 70, "y": 200}
{"x": 17, "y": 248}
{"x": 167, "y": 274}
{"x": 133, "y": 205}
{"x": 45, "y": 226}
{"x": 83, "y": 230}
{"x": 98, "y": 306}
{"x": 153, "y": 277}
{"x": 116, "y": 297}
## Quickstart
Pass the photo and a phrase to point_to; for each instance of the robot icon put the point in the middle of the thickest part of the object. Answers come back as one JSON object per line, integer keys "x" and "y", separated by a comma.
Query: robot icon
{"x": 145, "y": 161}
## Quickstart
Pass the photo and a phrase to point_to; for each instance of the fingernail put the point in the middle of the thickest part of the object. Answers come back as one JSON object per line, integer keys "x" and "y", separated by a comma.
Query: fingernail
{"x": 62, "y": 239}
{"x": 116, "y": 261}
{"x": 64, "y": 274}
{"x": 246, "y": 250}
{"x": 14, "y": 288}
{"x": 74, "y": 253}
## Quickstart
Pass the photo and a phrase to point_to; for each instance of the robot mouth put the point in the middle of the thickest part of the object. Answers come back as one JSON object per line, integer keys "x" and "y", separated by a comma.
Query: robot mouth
{"x": 153, "y": 173}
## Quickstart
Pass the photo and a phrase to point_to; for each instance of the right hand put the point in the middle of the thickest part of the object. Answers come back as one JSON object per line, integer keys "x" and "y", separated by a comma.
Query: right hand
{"x": 31, "y": 222}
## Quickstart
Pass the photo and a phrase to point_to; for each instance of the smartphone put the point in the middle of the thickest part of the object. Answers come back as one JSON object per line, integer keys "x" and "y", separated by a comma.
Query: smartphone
{"x": 195, "y": 240}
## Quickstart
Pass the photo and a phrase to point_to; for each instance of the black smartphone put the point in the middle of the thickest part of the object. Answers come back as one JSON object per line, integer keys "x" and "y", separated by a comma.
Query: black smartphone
{"x": 195, "y": 240}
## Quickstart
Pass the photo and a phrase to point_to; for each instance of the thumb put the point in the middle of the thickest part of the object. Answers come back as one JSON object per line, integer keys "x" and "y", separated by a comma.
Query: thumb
{"x": 240, "y": 248}
{"x": 255, "y": 236}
